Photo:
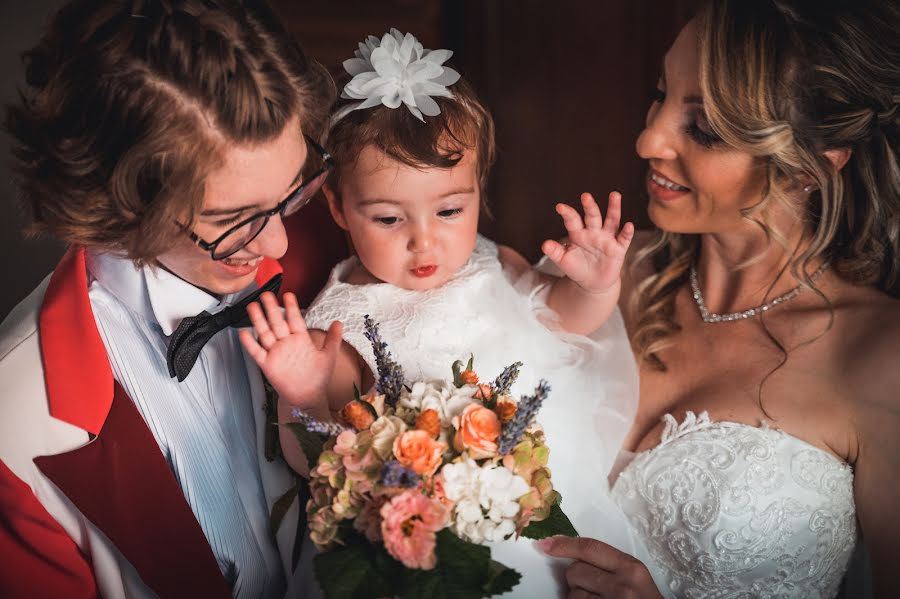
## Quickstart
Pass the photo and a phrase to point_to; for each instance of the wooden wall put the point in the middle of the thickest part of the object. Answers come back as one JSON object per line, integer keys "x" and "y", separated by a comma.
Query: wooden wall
{"x": 568, "y": 83}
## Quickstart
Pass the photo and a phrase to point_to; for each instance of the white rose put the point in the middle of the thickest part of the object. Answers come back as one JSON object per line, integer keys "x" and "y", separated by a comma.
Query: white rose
{"x": 384, "y": 430}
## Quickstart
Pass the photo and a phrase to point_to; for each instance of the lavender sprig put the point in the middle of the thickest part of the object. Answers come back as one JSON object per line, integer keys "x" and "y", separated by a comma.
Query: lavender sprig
{"x": 395, "y": 474}
{"x": 390, "y": 375}
{"x": 512, "y": 431}
{"x": 331, "y": 429}
{"x": 503, "y": 383}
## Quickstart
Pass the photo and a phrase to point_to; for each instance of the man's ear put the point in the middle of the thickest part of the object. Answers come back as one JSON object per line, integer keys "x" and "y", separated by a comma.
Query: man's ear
{"x": 334, "y": 206}
{"x": 838, "y": 157}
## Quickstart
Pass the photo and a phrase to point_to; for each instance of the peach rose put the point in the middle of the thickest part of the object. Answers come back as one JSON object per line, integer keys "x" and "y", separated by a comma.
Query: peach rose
{"x": 419, "y": 451}
{"x": 477, "y": 430}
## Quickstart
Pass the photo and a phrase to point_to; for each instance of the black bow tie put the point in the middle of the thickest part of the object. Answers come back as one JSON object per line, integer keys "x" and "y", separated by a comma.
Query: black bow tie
{"x": 195, "y": 331}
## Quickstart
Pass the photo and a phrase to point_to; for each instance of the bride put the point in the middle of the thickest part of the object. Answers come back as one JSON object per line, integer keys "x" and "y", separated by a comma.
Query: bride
{"x": 764, "y": 311}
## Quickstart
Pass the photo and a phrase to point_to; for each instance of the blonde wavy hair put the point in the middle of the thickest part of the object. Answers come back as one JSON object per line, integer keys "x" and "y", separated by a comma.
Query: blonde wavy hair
{"x": 785, "y": 81}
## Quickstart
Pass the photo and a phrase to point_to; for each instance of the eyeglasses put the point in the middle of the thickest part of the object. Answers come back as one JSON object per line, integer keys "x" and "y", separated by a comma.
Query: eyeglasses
{"x": 237, "y": 237}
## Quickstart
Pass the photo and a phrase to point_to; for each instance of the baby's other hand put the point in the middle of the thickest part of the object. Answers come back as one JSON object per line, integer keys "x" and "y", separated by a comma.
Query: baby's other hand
{"x": 296, "y": 366}
{"x": 595, "y": 253}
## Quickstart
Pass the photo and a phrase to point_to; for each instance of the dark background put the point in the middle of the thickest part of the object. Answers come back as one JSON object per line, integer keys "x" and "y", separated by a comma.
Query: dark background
{"x": 568, "y": 83}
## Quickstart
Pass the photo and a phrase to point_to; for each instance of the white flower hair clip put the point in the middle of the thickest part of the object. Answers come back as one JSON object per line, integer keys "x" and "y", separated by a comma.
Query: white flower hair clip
{"x": 397, "y": 70}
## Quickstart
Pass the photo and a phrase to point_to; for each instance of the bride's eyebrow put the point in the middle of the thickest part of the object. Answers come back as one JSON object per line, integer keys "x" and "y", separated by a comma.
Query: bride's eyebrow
{"x": 688, "y": 99}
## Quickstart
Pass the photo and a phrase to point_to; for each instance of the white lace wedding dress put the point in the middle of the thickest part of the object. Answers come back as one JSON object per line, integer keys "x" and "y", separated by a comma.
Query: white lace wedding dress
{"x": 481, "y": 311}
{"x": 731, "y": 510}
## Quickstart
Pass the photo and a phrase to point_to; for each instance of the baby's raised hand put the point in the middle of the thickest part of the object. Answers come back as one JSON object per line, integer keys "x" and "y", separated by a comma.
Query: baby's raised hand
{"x": 298, "y": 368}
{"x": 594, "y": 255}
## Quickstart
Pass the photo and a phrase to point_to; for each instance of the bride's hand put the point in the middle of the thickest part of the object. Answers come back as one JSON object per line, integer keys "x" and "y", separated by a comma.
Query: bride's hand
{"x": 600, "y": 570}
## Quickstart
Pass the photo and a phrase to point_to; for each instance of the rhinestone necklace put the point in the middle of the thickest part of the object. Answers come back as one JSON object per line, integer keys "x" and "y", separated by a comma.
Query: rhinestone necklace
{"x": 744, "y": 314}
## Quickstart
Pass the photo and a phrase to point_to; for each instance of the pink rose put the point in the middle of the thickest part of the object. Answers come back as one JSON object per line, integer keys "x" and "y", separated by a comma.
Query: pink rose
{"x": 409, "y": 523}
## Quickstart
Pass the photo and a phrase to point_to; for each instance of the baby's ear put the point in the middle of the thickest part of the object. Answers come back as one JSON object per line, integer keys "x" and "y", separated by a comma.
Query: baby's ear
{"x": 334, "y": 206}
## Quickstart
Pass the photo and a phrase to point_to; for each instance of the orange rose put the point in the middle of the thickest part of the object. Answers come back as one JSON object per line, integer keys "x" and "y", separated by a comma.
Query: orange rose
{"x": 358, "y": 415}
{"x": 468, "y": 377}
{"x": 419, "y": 451}
{"x": 506, "y": 411}
{"x": 430, "y": 422}
{"x": 477, "y": 429}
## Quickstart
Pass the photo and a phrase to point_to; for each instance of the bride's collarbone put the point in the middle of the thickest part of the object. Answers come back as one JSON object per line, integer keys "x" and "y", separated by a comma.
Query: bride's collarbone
{"x": 747, "y": 384}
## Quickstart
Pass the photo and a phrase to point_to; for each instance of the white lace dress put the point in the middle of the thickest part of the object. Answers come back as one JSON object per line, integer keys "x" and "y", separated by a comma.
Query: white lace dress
{"x": 731, "y": 510}
{"x": 482, "y": 312}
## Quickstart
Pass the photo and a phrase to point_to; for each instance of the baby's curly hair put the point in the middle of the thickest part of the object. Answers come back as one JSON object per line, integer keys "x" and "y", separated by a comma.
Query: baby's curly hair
{"x": 130, "y": 105}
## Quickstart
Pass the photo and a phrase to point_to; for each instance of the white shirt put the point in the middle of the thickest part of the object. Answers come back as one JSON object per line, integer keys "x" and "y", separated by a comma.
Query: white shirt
{"x": 204, "y": 425}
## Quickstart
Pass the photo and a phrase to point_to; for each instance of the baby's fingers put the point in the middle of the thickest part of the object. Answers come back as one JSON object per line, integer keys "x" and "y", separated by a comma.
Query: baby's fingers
{"x": 593, "y": 218}
{"x": 332, "y": 342}
{"x": 254, "y": 349}
{"x": 294, "y": 318}
{"x": 261, "y": 325}
{"x": 554, "y": 250}
{"x": 613, "y": 212}
{"x": 274, "y": 315}
{"x": 625, "y": 236}
{"x": 571, "y": 218}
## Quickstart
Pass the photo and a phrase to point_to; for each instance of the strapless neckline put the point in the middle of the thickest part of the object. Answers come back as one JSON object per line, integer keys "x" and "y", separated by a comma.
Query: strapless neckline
{"x": 693, "y": 422}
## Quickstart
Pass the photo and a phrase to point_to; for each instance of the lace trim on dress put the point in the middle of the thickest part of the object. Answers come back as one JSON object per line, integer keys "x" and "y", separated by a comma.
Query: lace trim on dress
{"x": 691, "y": 423}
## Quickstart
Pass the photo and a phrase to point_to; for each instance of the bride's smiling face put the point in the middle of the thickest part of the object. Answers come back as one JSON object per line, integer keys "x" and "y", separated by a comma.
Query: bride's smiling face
{"x": 696, "y": 183}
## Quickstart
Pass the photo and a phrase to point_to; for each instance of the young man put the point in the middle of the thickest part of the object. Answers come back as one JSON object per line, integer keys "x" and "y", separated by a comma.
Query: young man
{"x": 164, "y": 141}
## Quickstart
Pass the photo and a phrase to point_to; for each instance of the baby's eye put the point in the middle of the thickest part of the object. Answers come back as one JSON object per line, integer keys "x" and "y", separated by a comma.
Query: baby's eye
{"x": 387, "y": 220}
{"x": 450, "y": 212}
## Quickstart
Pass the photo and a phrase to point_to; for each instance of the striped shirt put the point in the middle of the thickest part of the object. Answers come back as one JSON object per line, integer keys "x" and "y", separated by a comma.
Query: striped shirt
{"x": 205, "y": 425}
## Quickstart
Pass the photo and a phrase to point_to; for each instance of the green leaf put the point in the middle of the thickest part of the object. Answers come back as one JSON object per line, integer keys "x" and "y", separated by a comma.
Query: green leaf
{"x": 501, "y": 579}
{"x": 311, "y": 443}
{"x": 356, "y": 394}
{"x": 423, "y": 584}
{"x": 457, "y": 373}
{"x": 351, "y": 572}
{"x": 557, "y": 523}
{"x": 282, "y": 505}
{"x": 471, "y": 362}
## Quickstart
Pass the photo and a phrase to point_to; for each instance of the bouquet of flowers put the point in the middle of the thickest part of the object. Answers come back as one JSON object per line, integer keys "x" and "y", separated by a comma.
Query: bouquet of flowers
{"x": 405, "y": 496}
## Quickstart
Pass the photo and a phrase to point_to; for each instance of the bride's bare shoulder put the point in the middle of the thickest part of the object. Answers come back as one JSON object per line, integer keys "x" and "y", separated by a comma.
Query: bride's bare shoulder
{"x": 870, "y": 326}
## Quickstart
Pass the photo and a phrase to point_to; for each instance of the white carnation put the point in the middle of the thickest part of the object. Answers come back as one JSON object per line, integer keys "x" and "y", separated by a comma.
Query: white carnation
{"x": 486, "y": 499}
